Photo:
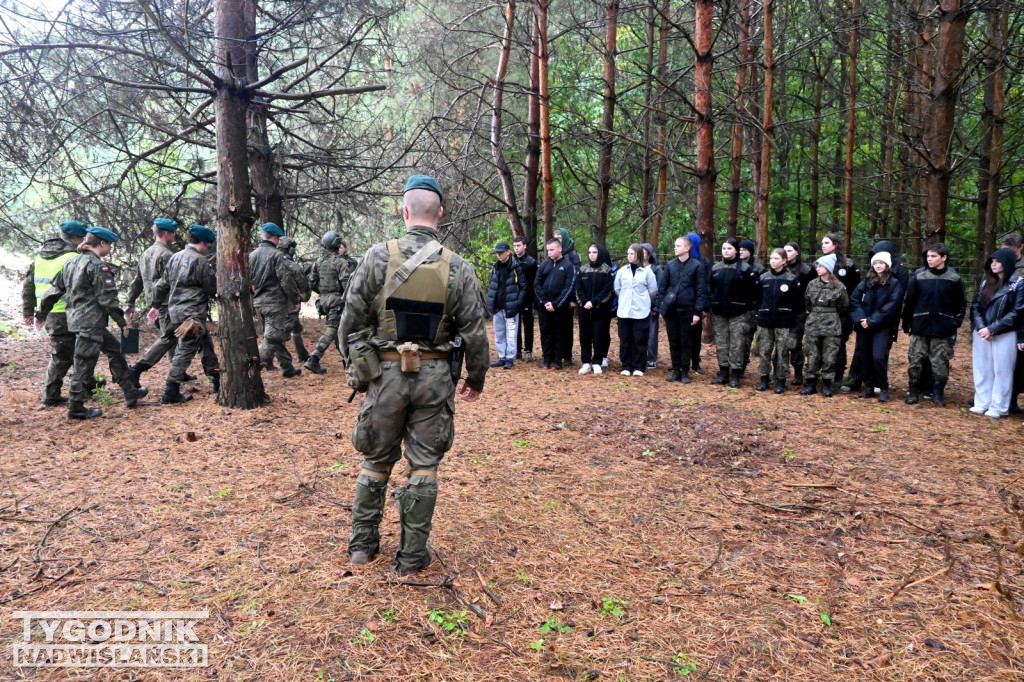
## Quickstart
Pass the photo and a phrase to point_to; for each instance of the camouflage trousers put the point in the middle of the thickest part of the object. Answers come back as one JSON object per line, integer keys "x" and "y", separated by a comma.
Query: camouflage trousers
{"x": 276, "y": 332}
{"x": 937, "y": 349}
{"x": 774, "y": 344}
{"x": 62, "y": 357}
{"x": 821, "y": 353}
{"x": 87, "y": 352}
{"x": 731, "y": 339}
{"x": 164, "y": 344}
{"x": 415, "y": 407}
{"x": 329, "y": 336}
{"x": 199, "y": 342}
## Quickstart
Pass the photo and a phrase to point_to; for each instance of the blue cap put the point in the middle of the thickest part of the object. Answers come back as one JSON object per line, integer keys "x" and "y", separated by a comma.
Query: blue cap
{"x": 76, "y": 228}
{"x": 272, "y": 228}
{"x": 501, "y": 247}
{"x": 103, "y": 233}
{"x": 166, "y": 224}
{"x": 423, "y": 182}
{"x": 202, "y": 233}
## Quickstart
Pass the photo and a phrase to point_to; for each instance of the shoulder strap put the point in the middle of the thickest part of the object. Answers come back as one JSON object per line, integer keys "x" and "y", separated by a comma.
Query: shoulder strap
{"x": 404, "y": 271}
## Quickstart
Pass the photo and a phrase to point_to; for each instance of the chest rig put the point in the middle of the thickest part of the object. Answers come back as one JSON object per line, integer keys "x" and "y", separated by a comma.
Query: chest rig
{"x": 413, "y": 305}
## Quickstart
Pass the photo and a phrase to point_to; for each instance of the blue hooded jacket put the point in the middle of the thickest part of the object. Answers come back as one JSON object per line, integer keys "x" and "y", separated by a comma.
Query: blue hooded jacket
{"x": 705, "y": 263}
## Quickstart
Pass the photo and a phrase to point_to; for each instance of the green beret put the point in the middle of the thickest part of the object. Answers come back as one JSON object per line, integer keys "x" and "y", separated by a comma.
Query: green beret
{"x": 103, "y": 233}
{"x": 76, "y": 228}
{"x": 272, "y": 228}
{"x": 423, "y": 182}
{"x": 202, "y": 233}
{"x": 166, "y": 224}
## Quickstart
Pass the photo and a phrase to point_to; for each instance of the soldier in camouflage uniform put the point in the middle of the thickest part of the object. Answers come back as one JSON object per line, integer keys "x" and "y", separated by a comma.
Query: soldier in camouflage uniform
{"x": 87, "y": 285}
{"x": 329, "y": 277}
{"x": 184, "y": 291}
{"x": 933, "y": 310}
{"x": 151, "y": 268}
{"x": 827, "y": 303}
{"x": 51, "y": 259}
{"x": 271, "y": 298}
{"x": 747, "y": 253}
{"x": 440, "y": 299}
{"x": 297, "y": 285}
{"x": 782, "y": 302}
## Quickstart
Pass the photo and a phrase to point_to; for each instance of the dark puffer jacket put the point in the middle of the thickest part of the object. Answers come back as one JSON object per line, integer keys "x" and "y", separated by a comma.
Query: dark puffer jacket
{"x": 935, "y": 303}
{"x": 879, "y": 304}
{"x": 733, "y": 290}
{"x": 1004, "y": 310}
{"x": 687, "y": 279}
{"x": 507, "y": 288}
{"x": 782, "y": 300}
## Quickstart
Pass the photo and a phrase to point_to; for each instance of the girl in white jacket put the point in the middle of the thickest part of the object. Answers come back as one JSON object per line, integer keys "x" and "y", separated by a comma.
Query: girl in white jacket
{"x": 636, "y": 287}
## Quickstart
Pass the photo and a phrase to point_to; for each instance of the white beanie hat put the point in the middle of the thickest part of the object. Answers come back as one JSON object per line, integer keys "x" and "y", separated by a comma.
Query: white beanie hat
{"x": 884, "y": 257}
{"x": 828, "y": 262}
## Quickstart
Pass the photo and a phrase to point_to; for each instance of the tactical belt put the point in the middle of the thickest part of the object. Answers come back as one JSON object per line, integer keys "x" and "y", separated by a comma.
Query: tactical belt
{"x": 424, "y": 354}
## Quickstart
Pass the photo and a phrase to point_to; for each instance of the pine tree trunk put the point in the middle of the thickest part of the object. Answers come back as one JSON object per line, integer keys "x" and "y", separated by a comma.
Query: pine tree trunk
{"x": 262, "y": 171}
{"x": 545, "y": 121}
{"x": 646, "y": 165}
{"x": 497, "y": 109}
{"x": 991, "y": 154}
{"x": 761, "y": 207}
{"x": 662, "y": 187}
{"x": 706, "y": 172}
{"x": 604, "y": 163}
{"x": 736, "y": 154}
{"x": 851, "y": 128}
{"x": 532, "y": 180}
{"x": 241, "y": 384}
{"x": 822, "y": 66}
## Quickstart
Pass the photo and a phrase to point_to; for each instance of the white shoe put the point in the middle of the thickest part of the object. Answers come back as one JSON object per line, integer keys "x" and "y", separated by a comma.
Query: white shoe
{"x": 597, "y": 369}
{"x": 585, "y": 369}
{"x": 979, "y": 410}
{"x": 637, "y": 373}
{"x": 625, "y": 372}
{"x": 993, "y": 414}
{"x": 604, "y": 362}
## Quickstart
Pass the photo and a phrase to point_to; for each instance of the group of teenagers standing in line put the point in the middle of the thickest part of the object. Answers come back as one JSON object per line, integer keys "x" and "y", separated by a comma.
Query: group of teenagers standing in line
{"x": 800, "y": 314}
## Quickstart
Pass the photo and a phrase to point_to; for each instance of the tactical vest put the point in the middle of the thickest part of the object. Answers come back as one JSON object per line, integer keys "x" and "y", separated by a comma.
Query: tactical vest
{"x": 45, "y": 270}
{"x": 418, "y": 309}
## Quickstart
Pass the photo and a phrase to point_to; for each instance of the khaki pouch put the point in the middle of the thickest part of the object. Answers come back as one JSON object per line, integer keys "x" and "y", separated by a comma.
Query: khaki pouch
{"x": 410, "y": 353}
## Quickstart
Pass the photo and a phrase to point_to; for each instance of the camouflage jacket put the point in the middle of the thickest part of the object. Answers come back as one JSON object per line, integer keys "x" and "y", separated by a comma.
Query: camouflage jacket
{"x": 88, "y": 286}
{"x": 294, "y": 282}
{"x": 826, "y": 306}
{"x": 151, "y": 268}
{"x": 52, "y": 248}
{"x": 329, "y": 278}
{"x": 265, "y": 273}
{"x": 465, "y": 303}
{"x": 188, "y": 284}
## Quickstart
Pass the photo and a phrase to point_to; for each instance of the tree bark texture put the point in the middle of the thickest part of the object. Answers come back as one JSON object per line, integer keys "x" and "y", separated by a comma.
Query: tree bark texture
{"x": 761, "y": 207}
{"x": 545, "y": 121}
{"x": 991, "y": 154}
{"x": 532, "y": 180}
{"x": 661, "y": 119}
{"x": 851, "y": 128}
{"x": 604, "y": 163}
{"x": 497, "y": 107}
{"x": 736, "y": 152}
{"x": 706, "y": 172}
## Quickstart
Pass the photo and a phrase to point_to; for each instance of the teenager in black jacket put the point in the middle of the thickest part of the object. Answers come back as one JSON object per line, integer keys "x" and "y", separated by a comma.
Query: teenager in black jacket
{"x": 555, "y": 289}
{"x": 875, "y": 310}
{"x": 995, "y": 320}
{"x": 525, "y": 337}
{"x": 594, "y": 293}
{"x": 683, "y": 294}
{"x": 781, "y": 305}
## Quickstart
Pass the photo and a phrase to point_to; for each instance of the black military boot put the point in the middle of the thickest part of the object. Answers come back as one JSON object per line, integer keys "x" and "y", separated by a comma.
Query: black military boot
{"x": 80, "y": 411}
{"x": 913, "y": 394}
{"x": 798, "y": 377}
{"x": 940, "y": 393}
{"x": 722, "y": 376}
{"x": 763, "y": 385}
{"x": 780, "y": 386}
{"x": 133, "y": 393}
{"x": 313, "y": 364}
{"x": 291, "y": 372}
{"x": 826, "y": 388}
{"x": 367, "y": 512}
{"x": 415, "y": 512}
{"x": 55, "y": 402}
{"x": 300, "y": 348}
{"x": 215, "y": 378}
{"x": 810, "y": 387}
{"x": 735, "y": 378}
{"x": 883, "y": 395}
{"x": 135, "y": 372}
{"x": 172, "y": 394}
{"x": 189, "y": 377}
{"x": 675, "y": 375}
{"x": 867, "y": 391}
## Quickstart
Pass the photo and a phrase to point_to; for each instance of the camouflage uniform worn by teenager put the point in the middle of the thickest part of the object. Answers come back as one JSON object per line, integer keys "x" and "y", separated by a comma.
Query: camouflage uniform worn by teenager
{"x": 827, "y": 304}
{"x": 439, "y": 300}
{"x": 271, "y": 301}
{"x": 329, "y": 278}
{"x": 188, "y": 284}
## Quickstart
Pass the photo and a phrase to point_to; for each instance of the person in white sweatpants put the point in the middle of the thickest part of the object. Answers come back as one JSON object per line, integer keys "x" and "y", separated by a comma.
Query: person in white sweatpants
{"x": 997, "y": 309}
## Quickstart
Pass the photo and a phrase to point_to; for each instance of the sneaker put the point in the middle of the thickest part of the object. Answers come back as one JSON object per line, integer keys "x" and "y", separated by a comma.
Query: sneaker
{"x": 993, "y": 414}
{"x": 555, "y": 366}
{"x": 585, "y": 369}
{"x": 543, "y": 365}
{"x": 651, "y": 364}
{"x": 528, "y": 356}
{"x": 685, "y": 378}
{"x": 597, "y": 369}
{"x": 498, "y": 363}
{"x": 698, "y": 370}
{"x": 625, "y": 373}
{"x": 638, "y": 373}
{"x": 979, "y": 410}
{"x": 509, "y": 364}
{"x": 569, "y": 362}
{"x": 604, "y": 362}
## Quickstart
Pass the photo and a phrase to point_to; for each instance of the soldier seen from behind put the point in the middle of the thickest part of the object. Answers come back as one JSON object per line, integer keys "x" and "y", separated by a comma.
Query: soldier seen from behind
{"x": 412, "y": 309}
{"x": 86, "y": 284}
{"x": 297, "y": 285}
{"x": 329, "y": 277}
{"x": 272, "y": 299}
{"x": 185, "y": 290}
{"x": 933, "y": 310}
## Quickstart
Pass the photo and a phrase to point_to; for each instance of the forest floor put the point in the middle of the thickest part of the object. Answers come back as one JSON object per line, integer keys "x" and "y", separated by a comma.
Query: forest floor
{"x": 588, "y": 527}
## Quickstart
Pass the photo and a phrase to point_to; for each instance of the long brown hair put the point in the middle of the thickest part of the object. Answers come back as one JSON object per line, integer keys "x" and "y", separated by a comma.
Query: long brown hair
{"x": 838, "y": 241}
{"x": 878, "y": 280}
{"x": 641, "y": 254}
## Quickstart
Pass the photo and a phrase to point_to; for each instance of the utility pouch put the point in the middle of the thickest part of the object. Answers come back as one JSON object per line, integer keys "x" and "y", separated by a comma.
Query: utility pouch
{"x": 410, "y": 353}
{"x": 362, "y": 356}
